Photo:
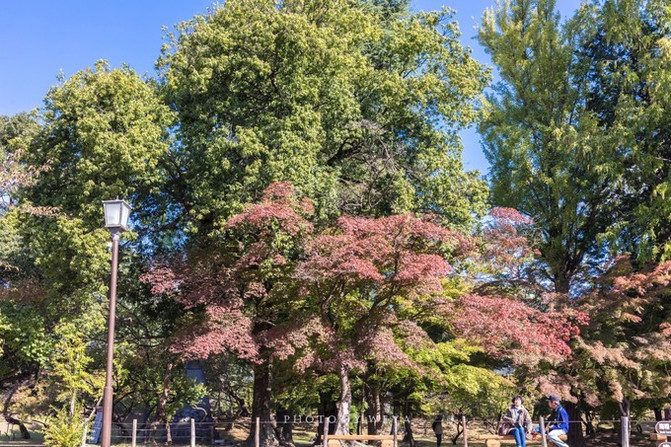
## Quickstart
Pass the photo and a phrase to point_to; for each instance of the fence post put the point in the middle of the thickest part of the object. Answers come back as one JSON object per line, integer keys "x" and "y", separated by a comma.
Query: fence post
{"x": 86, "y": 429}
{"x": 326, "y": 432}
{"x": 133, "y": 438}
{"x": 395, "y": 431}
{"x": 625, "y": 431}
{"x": 212, "y": 433}
{"x": 544, "y": 438}
{"x": 257, "y": 432}
{"x": 463, "y": 422}
{"x": 193, "y": 432}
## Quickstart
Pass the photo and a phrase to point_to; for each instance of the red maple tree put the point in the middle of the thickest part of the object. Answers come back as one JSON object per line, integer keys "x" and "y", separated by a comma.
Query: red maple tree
{"x": 236, "y": 292}
{"x": 337, "y": 299}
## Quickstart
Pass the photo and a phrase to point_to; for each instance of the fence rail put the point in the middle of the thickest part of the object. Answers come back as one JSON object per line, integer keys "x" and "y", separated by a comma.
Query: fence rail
{"x": 192, "y": 433}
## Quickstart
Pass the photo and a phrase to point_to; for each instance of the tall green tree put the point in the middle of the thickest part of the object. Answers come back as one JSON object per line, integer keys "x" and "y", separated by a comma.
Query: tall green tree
{"x": 544, "y": 146}
{"x": 625, "y": 46}
{"x": 101, "y": 134}
{"x": 578, "y": 139}
{"x": 358, "y": 104}
{"x": 546, "y": 157}
{"x": 104, "y": 134}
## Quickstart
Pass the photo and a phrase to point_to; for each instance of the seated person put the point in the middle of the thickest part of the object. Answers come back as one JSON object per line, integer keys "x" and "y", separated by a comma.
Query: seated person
{"x": 516, "y": 422}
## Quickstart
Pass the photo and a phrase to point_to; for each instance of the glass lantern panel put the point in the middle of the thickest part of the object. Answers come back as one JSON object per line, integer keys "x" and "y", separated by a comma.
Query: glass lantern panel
{"x": 112, "y": 213}
{"x": 125, "y": 211}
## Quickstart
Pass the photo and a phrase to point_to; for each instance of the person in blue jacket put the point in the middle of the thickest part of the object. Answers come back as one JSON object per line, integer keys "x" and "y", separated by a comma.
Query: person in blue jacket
{"x": 557, "y": 422}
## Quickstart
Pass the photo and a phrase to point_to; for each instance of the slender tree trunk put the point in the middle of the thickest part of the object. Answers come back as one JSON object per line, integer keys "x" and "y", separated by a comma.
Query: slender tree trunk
{"x": 161, "y": 415}
{"x": 624, "y": 406}
{"x": 408, "y": 437}
{"x": 360, "y": 423}
{"x": 460, "y": 427}
{"x": 374, "y": 410}
{"x": 261, "y": 407}
{"x": 168, "y": 432}
{"x": 73, "y": 401}
{"x": 242, "y": 410}
{"x": 327, "y": 409}
{"x": 575, "y": 435}
{"x": 345, "y": 402}
{"x": 589, "y": 426}
{"x": 658, "y": 413}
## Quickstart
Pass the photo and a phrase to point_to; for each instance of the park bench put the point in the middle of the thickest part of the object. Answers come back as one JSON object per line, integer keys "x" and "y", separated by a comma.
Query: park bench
{"x": 658, "y": 437}
{"x": 497, "y": 440}
{"x": 334, "y": 440}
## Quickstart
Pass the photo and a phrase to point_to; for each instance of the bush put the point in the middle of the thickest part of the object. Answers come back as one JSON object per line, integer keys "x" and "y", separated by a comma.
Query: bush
{"x": 63, "y": 430}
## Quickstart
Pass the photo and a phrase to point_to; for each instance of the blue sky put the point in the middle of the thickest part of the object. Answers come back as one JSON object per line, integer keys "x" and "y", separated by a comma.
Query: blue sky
{"x": 41, "y": 38}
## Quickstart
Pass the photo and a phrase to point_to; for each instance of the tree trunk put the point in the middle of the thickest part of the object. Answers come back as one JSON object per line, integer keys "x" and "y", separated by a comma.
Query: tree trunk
{"x": 460, "y": 427}
{"x": 408, "y": 437}
{"x": 374, "y": 410}
{"x": 161, "y": 415}
{"x": 624, "y": 406}
{"x": 658, "y": 413}
{"x": 575, "y": 435}
{"x": 261, "y": 407}
{"x": 242, "y": 410}
{"x": 285, "y": 427}
{"x": 327, "y": 409}
{"x": 345, "y": 402}
{"x": 562, "y": 282}
{"x": 589, "y": 425}
{"x": 361, "y": 420}
{"x": 73, "y": 402}
{"x": 25, "y": 434}
{"x": 168, "y": 433}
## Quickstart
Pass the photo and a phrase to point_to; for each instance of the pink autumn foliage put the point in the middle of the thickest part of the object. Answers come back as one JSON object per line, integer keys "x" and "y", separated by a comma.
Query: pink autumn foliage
{"x": 510, "y": 215}
{"x": 356, "y": 269}
{"x": 379, "y": 345}
{"x": 642, "y": 282}
{"x": 221, "y": 325}
{"x": 506, "y": 245}
{"x": 351, "y": 272}
{"x": 298, "y": 335}
{"x": 278, "y": 210}
{"x": 217, "y": 336}
{"x": 625, "y": 294}
{"x": 224, "y": 291}
{"x": 162, "y": 279}
{"x": 560, "y": 385}
{"x": 510, "y": 329}
{"x": 625, "y": 301}
{"x": 397, "y": 251}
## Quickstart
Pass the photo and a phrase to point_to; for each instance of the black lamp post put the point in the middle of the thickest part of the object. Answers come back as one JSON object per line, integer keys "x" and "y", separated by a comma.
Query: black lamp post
{"x": 116, "y": 220}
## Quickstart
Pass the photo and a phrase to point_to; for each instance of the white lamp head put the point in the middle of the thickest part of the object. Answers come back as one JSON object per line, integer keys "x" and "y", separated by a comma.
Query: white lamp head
{"x": 116, "y": 214}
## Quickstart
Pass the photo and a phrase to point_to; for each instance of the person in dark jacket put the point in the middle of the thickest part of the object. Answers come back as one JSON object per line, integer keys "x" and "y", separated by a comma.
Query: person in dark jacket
{"x": 518, "y": 419}
{"x": 438, "y": 429}
{"x": 557, "y": 422}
